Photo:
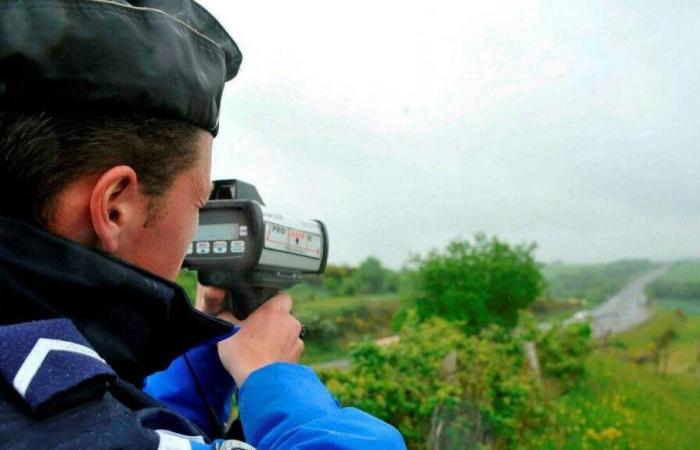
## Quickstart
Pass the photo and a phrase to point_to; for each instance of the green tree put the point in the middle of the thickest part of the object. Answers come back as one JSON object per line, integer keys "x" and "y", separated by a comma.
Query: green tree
{"x": 370, "y": 277}
{"x": 478, "y": 283}
{"x": 335, "y": 277}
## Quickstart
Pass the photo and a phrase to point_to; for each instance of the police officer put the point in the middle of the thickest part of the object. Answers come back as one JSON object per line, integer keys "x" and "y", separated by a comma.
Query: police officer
{"x": 108, "y": 110}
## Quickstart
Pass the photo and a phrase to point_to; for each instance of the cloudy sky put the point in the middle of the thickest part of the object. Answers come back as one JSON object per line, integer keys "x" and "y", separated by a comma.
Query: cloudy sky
{"x": 406, "y": 124}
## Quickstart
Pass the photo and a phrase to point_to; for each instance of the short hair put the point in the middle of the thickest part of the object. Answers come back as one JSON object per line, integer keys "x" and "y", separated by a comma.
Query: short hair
{"x": 41, "y": 154}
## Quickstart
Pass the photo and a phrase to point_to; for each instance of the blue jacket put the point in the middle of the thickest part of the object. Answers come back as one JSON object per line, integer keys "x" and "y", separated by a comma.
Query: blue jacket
{"x": 85, "y": 331}
{"x": 282, "y": 406}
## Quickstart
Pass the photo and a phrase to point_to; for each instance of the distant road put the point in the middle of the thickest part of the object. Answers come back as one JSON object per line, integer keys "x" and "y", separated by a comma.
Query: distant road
{"x": 620, "y": 312}
{"x": 625, "y": 309}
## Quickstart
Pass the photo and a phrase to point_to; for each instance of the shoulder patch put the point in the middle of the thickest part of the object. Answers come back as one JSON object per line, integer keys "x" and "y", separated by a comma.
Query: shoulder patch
{"x": 48, "y": 359}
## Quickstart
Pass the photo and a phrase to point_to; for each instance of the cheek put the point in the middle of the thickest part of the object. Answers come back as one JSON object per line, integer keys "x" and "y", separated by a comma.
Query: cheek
{"x": 172, "y": 243}
{"x": 188, "y": 230}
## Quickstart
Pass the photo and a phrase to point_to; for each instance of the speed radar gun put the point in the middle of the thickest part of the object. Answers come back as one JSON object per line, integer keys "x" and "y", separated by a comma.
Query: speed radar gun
{"x": 242, "y": 246}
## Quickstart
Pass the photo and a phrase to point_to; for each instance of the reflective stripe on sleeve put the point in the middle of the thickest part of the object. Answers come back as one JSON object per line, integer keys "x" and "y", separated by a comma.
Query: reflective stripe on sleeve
{"x": 175, "y": 441}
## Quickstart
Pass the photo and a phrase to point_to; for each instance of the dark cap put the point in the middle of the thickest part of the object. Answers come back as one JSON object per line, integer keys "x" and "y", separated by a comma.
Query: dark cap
{"x": 167, "y": 58}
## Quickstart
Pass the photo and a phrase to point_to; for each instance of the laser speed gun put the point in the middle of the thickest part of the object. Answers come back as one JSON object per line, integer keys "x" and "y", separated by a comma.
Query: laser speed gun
{"x": 253, "y": 252}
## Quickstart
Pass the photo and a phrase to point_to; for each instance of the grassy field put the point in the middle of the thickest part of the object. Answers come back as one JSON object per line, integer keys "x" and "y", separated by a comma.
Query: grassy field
{"x": 623, "y": 405}
{"x": 683, "y": 271}
{"x": 679, "y": 288}
{"x": 689, "y": 306}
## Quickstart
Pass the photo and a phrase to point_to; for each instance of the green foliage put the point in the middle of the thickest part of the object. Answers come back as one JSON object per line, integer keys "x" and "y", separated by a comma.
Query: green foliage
{"x": 683, "y": 271}
{"x": 549, "y": 309}
{"x": 370, "y": 277}
{"x": 332, "y": 323}
{"x": 680, "y": 290}
{"x": 402, "y": 386}
{"x": 688, "y": 306}
{"x": 687, "y": 345}
{"x": 592, "y": 282}
{"x": 187, "y": 279}
{"x": 681, "y": 282}
{"x": 349, "y": 319}
{"x": 336, "y": 280}
{"x": 626, "y": 406}
{"x": 563, "y": 352}
{"x": 477, "y": 283}
{"x": 404, "y": 383}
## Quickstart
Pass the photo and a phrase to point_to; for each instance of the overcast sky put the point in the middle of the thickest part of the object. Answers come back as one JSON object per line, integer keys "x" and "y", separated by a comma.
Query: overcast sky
{"x": 406, "y": 124}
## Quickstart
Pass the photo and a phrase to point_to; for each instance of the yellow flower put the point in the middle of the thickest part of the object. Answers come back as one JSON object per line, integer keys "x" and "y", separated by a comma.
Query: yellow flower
{"x": 592, "y": 434}
{"x": 610, "y": 433}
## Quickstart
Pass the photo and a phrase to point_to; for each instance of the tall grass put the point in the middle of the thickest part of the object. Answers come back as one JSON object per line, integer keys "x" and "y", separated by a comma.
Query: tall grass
{"x": 623, "y": 405}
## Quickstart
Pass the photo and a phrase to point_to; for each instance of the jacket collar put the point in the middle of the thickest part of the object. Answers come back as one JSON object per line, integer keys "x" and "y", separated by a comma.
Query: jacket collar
{"x": 135, "y": 320}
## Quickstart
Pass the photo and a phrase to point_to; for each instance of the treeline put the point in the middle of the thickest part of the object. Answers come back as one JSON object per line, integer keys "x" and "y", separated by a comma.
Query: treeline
{"x": 677, "y": 290}
{"x": 592, "y": 282}
{"x": 369, "y": 277}
{"x": 681, "y": 282}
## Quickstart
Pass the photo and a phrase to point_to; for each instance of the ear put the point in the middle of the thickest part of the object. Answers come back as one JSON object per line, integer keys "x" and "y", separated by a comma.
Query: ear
{"x": 117, "y": 207}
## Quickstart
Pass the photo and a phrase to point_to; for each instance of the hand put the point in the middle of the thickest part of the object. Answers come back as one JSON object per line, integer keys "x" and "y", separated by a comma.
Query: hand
{"x": 270, "y": 334}
{"x": 212, "y": 300}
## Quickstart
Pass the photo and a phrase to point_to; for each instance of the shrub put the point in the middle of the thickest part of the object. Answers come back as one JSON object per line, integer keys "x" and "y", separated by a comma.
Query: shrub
{"x": 477, "y": 283}
{"x": 562, "y": 352}
{"x": 405, "y": 383}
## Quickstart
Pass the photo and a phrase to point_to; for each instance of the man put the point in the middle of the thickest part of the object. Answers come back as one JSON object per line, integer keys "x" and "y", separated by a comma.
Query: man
{"x": 108, "y": 110}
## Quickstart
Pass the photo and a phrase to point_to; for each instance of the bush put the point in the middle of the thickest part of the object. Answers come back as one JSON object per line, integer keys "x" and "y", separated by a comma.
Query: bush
{"x": 404, "y": 383}
{"x": 401, "y": 384}
{"x": 563, "y": 352}
{"x": 477, "y": 283}
{"x": 353, "y": 318}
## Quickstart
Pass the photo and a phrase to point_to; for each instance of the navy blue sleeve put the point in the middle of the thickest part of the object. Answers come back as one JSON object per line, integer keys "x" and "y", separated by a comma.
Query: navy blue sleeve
{"x": 286, "y": 406}
{"x": 177, "y": 388}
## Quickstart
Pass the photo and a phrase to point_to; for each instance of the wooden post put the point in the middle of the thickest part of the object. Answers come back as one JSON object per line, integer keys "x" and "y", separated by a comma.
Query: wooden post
{"x": 530, "y": 349}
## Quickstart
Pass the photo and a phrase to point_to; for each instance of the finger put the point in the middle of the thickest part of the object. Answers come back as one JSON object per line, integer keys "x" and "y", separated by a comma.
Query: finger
{"x": 210, "y": 299}
{"x": 199, "y": 298}
{"x": 298, "y": 327}
{"x": 214, "y": 298}
{"x": 201, "y": 303}
{"x": 299, "y": 350}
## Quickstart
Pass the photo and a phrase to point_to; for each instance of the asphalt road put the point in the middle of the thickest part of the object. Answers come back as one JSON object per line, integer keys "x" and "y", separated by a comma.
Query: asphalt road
{"x": 625, "y": 309}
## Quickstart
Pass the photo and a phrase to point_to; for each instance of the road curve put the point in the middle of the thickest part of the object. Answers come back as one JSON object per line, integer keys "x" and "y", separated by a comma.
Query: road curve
{"x": 627, "y": 308}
